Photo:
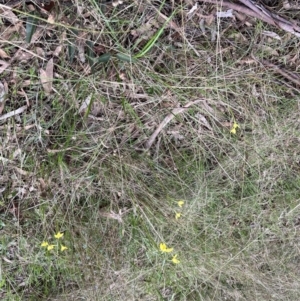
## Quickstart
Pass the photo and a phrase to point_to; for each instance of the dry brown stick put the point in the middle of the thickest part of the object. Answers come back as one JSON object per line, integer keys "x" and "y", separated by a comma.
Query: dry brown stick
{"x": 261, "y": 13}
{"x": 167, "y": 119}
{"x": 240, "y": 8}
{"x": 285, "y": 73}
{"x": 278, "y": 20}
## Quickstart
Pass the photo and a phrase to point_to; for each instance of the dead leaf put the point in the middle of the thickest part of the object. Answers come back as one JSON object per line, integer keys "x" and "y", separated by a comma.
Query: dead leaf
{"x": 176, "y": 135}
{"x": 271, "y": 34}
{"x": 17, "y": 28}
{"x": 85, "y": 104}
{"x": 3, "y": 92}
{"x": 46, "y": 77}
{"x": 37, "y": 35}
{"x": 238, "y": 36}
{"x": 23, "y": 56}
{"x": 57, "y": 51}
{"x": 114, "y": 215}
{"x": 3, "y": 66}
{"x": 13, "y": 113}
{"x": 202, "y": 120}
{"x": 3, "y": 54}
{"x": 51, "y": 19}
{"x": 269, "y": 50}
{"x": 225, "y": 14}
{"x": 10, "y": 17}
{"x": 22, "y": 172}
{"x": 43, "y": 184}
{"x": 40, "y": 51}
{"x": 145, "y": 31}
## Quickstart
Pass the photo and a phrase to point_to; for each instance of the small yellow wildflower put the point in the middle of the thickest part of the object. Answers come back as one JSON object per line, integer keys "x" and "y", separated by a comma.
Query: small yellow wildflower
{"x": 177, "y": 215}
{"x": 175, "y": 260}
{"x": 62, "y": 248}
{"x": 234, "y": 127}
{"x": 50, "y": 247}
{"x": 58, "y": 235}
{"x": 180, "y": 203}
{"x": 163, "y": 247}
{"x": 44, "y": 244}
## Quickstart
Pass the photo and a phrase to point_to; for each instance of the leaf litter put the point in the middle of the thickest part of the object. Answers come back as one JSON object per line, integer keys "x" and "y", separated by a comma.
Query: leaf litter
{"x": 129, "y": 109}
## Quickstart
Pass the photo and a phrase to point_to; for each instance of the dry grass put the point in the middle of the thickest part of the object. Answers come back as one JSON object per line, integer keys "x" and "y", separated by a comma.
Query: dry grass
{"x": 88, "y": 176}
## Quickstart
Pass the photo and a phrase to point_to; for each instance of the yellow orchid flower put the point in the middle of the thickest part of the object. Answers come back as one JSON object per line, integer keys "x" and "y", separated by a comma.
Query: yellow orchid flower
{"x": 44, "y": 244}
{"x": 177, "y": 215}
{"x": 163, "y": 247}
{"x": 175, "y": 260}
{"x": 58, "y": 235}
{"x": 50, "y": 247}
{"x": 62, "y": 248}
{"x": 180, "y": 203}
{"x": 234, "y": 127}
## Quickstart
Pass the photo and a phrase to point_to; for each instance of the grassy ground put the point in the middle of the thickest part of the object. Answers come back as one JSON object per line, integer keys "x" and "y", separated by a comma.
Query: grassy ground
{"x": 89, "y": 176}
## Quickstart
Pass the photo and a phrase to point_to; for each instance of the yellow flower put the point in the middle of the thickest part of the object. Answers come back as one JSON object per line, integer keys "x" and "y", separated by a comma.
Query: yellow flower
{"x": 163, "y": 247}
{"x": 58, "y": 235}
{"x": 234, "y": 127}
{"x": 180, "y": 203}
{"x": 175, "y": 260}
{"x": 177, "y": 215}
{"x": 62, "y": 248}
{"x": 44, "y": 244}
{"x": 50, "y": 247}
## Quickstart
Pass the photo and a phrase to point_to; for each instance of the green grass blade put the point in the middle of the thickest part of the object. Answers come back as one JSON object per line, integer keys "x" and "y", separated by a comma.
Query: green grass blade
{"x": 153, "y": 40}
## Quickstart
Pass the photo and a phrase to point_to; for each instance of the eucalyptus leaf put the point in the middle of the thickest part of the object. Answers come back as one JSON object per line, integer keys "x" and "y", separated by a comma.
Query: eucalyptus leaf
{"x": 104, "y": 58}
{"x": 71, "y": 46}
{"x": 30, "y": 28}
{"x": 125, "y": 57}
{"x": 90, "y": 53}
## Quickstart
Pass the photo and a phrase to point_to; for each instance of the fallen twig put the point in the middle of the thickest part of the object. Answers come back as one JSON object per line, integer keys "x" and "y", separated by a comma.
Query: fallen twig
{"x": 285, "y": 73}
{"x": 167, "y": 119}
{"x": 250, "y": 9}
{"x": 13, "y": 113}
